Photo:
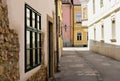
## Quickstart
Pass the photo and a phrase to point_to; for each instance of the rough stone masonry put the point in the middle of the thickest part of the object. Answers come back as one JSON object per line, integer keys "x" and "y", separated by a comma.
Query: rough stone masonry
{"x": 41, "y": 74}
{"x": 9, "y": 47}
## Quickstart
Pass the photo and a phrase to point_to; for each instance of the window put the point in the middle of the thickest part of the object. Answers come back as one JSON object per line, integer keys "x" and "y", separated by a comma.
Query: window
{"x": 113, "y": 29}
{"x": 93, "y": 6}
{"x": 102, "y": 34}
{"x": 101, "y": 3}
{"x": 78, "y": 17}
{"x": 94, "y": 33}
{"x": 32, "y": 38}
{"x": 84, "y": 14}
{"x": 79, "y": 36}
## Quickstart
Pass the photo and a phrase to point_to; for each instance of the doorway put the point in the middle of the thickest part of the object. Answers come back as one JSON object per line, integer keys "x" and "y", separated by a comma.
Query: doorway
{"x": 50, "y": 50}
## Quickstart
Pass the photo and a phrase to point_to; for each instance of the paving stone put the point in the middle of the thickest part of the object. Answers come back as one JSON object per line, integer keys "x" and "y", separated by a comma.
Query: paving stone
{"x": 87, "y": 66}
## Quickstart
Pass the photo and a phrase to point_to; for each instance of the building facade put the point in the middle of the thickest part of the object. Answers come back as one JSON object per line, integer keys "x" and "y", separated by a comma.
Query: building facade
{"x": 28, "y": 40}
{"x": 79, "y": 30}
{"x": 104, "y": 22}
{"x": 60, "y": 21}
{"x": 67, "y": 29}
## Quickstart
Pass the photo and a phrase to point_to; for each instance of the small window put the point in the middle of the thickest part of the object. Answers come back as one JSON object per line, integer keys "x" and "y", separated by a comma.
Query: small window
{"x": 94, "y": 33}
{"x": 101, "y": 3}
{"x": 32, "y": 38}
{"x": 113, "y": 29}
{"x": 102, "y": 34}
{"x": 85, "y": 13}
{"x": 78, "y": 17}
{"x": 79, "y": 36}
{"x": 93, "y": 6}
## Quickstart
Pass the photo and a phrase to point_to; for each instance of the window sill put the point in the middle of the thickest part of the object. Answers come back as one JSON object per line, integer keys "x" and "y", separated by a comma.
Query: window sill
{"x": 78, "y": 22}
{"x": 113, "y": 40}
{"x": 31, "y": 67}
{"x": 102, "y": 41}
{"x": 79, "y": 40}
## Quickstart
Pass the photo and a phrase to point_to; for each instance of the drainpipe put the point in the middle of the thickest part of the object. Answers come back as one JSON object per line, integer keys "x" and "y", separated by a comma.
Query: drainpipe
{"x": 73, "y": 23}
{"x": 57, "y": 45}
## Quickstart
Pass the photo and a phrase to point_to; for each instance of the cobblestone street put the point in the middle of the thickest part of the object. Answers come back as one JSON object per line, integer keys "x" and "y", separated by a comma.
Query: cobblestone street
{"x": 87, "y": 66}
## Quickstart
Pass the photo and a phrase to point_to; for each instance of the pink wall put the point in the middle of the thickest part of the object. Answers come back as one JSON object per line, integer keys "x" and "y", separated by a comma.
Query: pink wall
{"x": 67, "y": 21}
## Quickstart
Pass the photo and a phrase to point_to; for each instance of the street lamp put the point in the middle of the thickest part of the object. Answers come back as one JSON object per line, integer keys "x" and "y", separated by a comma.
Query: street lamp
{"x": 65, "y": 27}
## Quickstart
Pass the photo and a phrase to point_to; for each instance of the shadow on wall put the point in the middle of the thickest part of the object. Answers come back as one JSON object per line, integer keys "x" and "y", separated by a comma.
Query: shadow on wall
{"x": 109, "y": 50}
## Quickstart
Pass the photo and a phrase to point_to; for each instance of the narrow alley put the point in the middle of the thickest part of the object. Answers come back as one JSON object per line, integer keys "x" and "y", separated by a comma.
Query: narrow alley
{"x": 59, "y": 40}
{"x": 87, "y": 66}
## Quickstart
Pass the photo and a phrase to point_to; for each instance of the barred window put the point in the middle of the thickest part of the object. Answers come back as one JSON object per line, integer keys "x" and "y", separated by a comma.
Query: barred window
{"x": 79, "y": 36}
{"x": 32, "y": 38}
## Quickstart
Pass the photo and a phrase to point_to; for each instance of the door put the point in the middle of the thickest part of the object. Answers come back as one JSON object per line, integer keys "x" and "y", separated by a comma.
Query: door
{"x": 50, "y": 50}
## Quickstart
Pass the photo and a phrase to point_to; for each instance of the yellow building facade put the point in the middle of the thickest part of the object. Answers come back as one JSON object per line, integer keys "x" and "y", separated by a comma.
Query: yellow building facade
{"x": 80, "y": 33}
{"x": 60, "y": 27}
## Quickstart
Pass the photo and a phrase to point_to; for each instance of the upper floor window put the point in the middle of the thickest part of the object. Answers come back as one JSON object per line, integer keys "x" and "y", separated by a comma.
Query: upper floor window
{"x": 65, "y": 1}
{"x": 93, "y": 6}
{"x": 32, "y": 38}
{"x": 78, "y": 17}
{"x": 84, "y": 13}
{"x": 79, "y": 36}
{"x": 101, "y": 3}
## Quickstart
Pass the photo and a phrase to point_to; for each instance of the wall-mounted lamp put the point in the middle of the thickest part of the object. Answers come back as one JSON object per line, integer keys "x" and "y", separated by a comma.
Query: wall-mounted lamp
{"x": 65, "y": 27}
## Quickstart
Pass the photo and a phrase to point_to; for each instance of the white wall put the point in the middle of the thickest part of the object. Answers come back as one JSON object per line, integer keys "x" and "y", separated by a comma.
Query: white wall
{"x": 107, "y": 30}
{"x": 16, "y": 20}
{"x": 104, "y": 14}
{"x": 108, "y": 7}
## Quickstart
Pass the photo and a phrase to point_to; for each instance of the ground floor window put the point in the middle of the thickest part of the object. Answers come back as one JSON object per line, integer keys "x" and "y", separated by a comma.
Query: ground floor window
{"x": 32, "y": 38}
{"x": 79, "y": 36}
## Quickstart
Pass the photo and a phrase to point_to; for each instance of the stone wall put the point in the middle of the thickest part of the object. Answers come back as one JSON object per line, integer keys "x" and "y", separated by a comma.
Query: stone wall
{"x": 112, "y": 51}
{"x": 9, "y": 47}
{"x": 40, "y": 75}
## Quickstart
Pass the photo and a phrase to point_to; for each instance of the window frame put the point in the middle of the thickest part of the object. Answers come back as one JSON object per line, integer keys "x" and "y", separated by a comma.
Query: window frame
{"x": 113, "y": 29}
{"x": 34, "y": 59}
{"x": 101, "y": 3}
{"x": 78, "y": 17}
{"x": 93, "y": 6}
{"x": 102, "y": 33}
{"x": 79, "y": 37}
{"x": 94, "y": 34}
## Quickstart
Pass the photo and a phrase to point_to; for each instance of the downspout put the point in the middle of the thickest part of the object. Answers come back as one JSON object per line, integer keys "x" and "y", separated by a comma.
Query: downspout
{"x": 57, "y": 45}
{"x": 73, "y": 23}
